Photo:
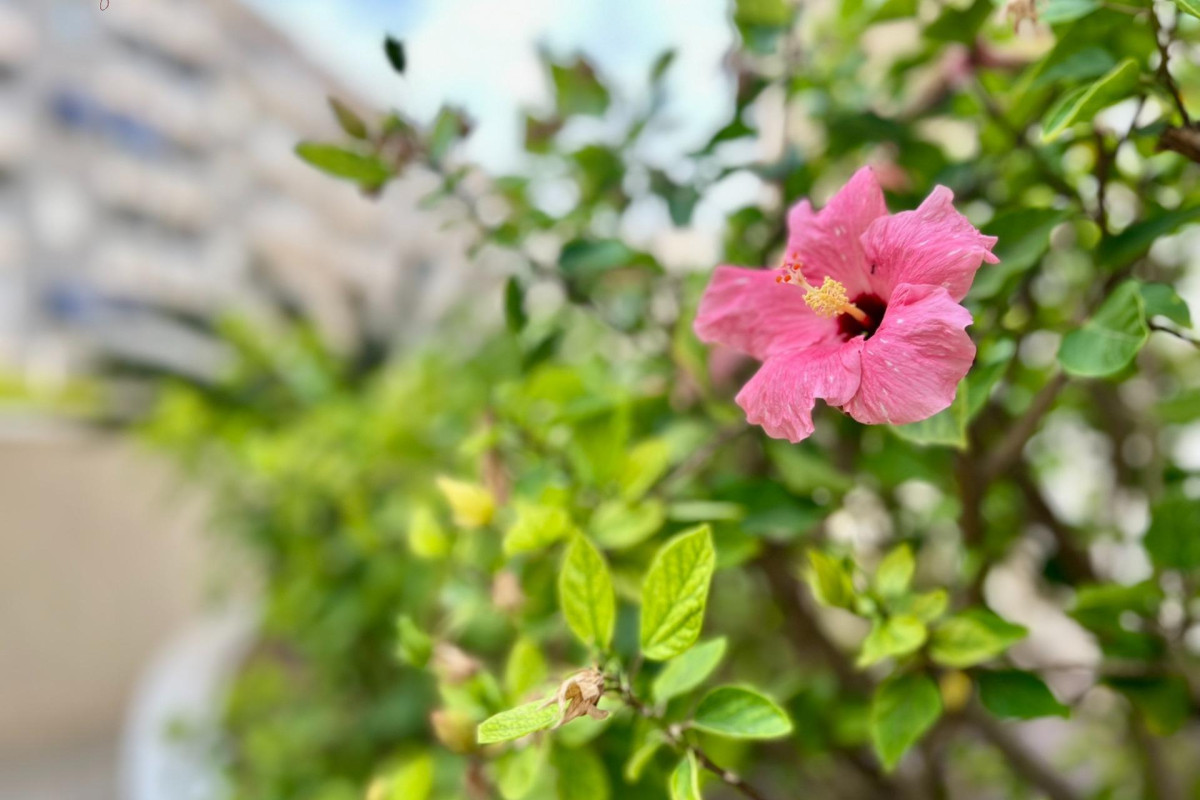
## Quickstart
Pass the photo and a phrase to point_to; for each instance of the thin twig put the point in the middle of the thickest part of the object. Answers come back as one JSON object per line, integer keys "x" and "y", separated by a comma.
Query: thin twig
{"x": 1163, "y": 38}
{"x": 1009, "y": 450}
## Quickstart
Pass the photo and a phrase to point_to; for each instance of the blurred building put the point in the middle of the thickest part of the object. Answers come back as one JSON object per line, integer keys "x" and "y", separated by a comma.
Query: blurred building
{"x": 147, "y": 167}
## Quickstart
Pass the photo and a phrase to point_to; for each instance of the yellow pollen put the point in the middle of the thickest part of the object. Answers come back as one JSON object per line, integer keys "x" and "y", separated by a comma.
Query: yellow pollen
{"x": 829, "y": 300}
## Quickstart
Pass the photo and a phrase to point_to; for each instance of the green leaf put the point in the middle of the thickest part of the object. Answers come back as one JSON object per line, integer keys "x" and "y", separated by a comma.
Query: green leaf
{"x": 957, "y": 24}
{"x": 903, "y": 709}
{"x": 688, "y": 670}
{"x": 892, "y": 637}
{"x": 367, "y": 171}
{"x": 1172, "y": 539}
{"x": 1190, "y": 6}
{"x": 644, "y": 465}
{"x": 394, "y": 49}
{"x": 947, "y": 428}
{"x": 831, "y": 582}
{"x": 581, "y": 775}
{"x": 926, "y": 607}
{"x": 1161, "y": 300}
{"x": 804, "y": 469}
{"x": 1081, "y": 104}
{"x": 583, "y": 259}
{"x": 1056, "y": 12}
{"x": 426, "y": 538}
{"x": 449, "y": 126}
{"x": 350, "y": 122}
{"x": 517, "y": 771}
{"x": 971, "y": 637}
{"x": 535, "y": 527}
{"x": 1164, "y": 702}
{"x": 1022, "y": 237}
{"x": 643, "y": 753}
{"x": 675, "y": 593}
{"x": 412, "y": 781}
{"x": 1014, "y": 694}
{"x": 517, "y": 722}
{"x": 615, "y": 525}
{"x": 585, "y": 591}
{"x": 577, "y": 90}
{"x": 895, "y": 572}
{"x": 413, "y": 646}
{"x": 685, "y": 779}
{"x": 514, "y": 305}
{"x": 1107, "y": 342}
{"x": 739, "y": 712}
{"x": 525, "y": 668}
{"x": 1133, "y": 242}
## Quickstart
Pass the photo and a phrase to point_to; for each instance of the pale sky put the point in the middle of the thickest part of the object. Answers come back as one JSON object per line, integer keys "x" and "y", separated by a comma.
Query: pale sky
{"x": 481, "y": 54}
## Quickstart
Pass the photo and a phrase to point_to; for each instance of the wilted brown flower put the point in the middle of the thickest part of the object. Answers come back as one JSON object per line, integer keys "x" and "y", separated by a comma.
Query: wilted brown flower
{"x": 578, "y": 695}
{"x": 1019, "y": 11}
{"x": 452, "y": 664}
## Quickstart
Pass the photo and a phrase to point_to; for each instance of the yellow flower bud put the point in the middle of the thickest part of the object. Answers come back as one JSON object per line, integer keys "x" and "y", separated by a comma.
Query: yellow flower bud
{"x": 472, "y": 505}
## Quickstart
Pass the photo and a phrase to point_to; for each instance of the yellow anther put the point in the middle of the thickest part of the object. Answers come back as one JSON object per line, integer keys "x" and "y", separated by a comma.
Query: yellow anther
{"x": 829, "y": 300}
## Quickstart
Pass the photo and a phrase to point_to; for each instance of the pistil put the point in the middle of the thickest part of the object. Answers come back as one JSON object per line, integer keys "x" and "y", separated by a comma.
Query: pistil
{"x": 828, "y": 300}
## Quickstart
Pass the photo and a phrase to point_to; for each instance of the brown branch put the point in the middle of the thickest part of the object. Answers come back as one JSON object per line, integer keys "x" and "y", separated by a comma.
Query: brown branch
{"x": 1075, "y": 560}
{"x": 1163, "y": 38}
{"x": 1160, "y": 782}
{"x": 1008, "y": 452}
{"x": 1021, "y": 760}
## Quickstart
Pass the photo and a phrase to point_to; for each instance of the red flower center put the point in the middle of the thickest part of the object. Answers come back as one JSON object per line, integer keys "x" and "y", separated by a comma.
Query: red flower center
{"x": 873, "y": 306}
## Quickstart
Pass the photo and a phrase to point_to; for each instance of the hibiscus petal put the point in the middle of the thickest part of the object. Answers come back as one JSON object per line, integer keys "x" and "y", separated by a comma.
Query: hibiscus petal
{"x": 747, "y": 310}
{"x": 781, "y": 395}
{"x": 829, "y": 242}
{"x": 933, "y": 244}
{"x": 911, "y": 366}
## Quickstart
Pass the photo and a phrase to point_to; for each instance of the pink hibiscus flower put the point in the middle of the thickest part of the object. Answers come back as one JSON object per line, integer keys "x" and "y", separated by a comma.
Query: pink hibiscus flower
{"x": 864, "y": 314}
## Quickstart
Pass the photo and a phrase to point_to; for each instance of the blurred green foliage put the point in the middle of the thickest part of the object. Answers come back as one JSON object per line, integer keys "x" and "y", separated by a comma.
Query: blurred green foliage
{"x": 448, "y": 535}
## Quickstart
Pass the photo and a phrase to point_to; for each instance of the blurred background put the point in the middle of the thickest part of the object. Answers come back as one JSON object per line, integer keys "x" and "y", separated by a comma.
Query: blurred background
{"x": 148, "y": 180}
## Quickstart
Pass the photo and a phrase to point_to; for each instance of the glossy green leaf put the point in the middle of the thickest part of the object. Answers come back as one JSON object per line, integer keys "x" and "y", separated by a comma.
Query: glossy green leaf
{"x": 972, "y": 637}
{"x": 1173, "y": 539}
{"x": 1133, "y": 242}
{"x": 1189, "y": 6}
{"x": 1022, "y": 238}
{"x": 892, "y": 637}
{"x": 517, "y": 722}
{"x": 365, "y": 170}
{"x": 738, "y": 712}
{"x": 1014, "y": 694}
{"x": 616, "y": 525}
{"x": 1161, "y": 300}
{"x": 585, "y": 592}
{"x": 947, "y": 428}
{"x": 830, "y": 579}
{"x": 1081, "y": 104}
{"x": 688, "y": 670}
{"x": 903, "y": 709}
{"x": 1107, "y": 342}
{"x": 535, "y": 528}
{"x": 894, "y": 574}
{"x": 675, "y": 593}
{"x": 685, "y": 779}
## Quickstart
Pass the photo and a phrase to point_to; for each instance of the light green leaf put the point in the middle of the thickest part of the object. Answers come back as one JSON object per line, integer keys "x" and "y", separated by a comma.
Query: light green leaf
{"x": 1081, "y": 104}
{"x": 585, "y": 592}
{"x": 675, "y": 593}
{"x": 1131, "y": 243}
{"x": 426, "y": 538}
{"x": 1022, "y": 237}
{"x": 1190, "y": 6}
{"x": 517, "y": 722}
{"x": 705, "y": 511}
{"x": 830, "y": 579}
{"x": 1013, "y": 694}
{"x": 1161, "y": 300}
{"x": 903, "y": 709}
{"x": 1109, "y": 340}
{"x": 895, "y": 636}
{"x": 640, "y": 758}
{"x": 972, "y": 637}
{"x": 350, "y": 122}
{"x": 738, "y": 712}
{"x": 926, "y": 607}
{"x": 517, "y": 771}
{"x": 581, "y": 775}
{"x": 367, "y": 171}
{"x": 535, "y": 527}
{"x": 525, "y": 668}
{"x": 685, "y": 779}
{"x": 687, "y": 671}
{"x": 413, "y": 780}
{"x": 1172, "y": 539}
{"x": 413, "y": 646}
{"x": 644, "y": 465}
{"x": 947, "y": 428}
{"x": 804, "y": 469}
{"x": 616, "y": 526}
{"x": 1057, "y": 12}
{"x": 895, "y": 572}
